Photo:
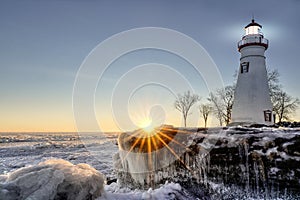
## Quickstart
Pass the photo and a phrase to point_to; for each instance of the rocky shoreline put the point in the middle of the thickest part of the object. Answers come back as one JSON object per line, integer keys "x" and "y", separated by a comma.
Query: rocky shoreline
{"x": 259, "y": 161}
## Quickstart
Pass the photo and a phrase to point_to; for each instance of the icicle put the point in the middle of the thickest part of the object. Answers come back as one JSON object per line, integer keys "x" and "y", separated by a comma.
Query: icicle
{"x": 256, "y": 171}
{"x": 246, "y": 149}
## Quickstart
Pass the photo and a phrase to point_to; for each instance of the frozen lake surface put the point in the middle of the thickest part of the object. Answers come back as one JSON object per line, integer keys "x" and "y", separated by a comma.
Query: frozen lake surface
{"x": 24, "y": 149}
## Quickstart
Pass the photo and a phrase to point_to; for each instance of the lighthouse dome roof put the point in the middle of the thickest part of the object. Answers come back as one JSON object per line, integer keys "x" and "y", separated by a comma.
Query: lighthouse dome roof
{"x": 253, "y": 23}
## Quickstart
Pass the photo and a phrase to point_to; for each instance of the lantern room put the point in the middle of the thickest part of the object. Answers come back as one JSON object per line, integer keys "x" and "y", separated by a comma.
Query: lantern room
{"x": 253, "y": 28}
{"x": 253, "y": 36}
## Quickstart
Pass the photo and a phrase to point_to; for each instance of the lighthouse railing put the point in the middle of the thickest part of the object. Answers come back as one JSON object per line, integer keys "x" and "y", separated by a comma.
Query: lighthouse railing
{"x": 253, "y": 41}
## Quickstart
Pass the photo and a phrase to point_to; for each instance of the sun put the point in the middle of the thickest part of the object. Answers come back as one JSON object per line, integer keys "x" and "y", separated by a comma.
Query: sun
{"x": 147, "y": 125}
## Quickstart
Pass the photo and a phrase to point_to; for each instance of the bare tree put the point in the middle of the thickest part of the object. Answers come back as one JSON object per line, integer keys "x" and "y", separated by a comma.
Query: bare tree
{"x": 227, "y": 98}
{"x": 217, "y": 107}
{"x": 273, "y": 81}
{"x": 284, "y": 105}
{"x": 205, "y": 110}
{"x": 183, "y": 103}
{"x": 222, "y": 101}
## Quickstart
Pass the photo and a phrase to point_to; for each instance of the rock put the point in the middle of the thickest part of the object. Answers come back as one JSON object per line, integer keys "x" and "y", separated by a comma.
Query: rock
{"x": 53, "y": 179}
{"x": 255, "y": 159}
{"x": 141, "y": 154}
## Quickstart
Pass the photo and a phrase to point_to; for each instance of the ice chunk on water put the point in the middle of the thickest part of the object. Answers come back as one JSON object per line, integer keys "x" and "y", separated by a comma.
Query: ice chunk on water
{"x": 52, "y": 179}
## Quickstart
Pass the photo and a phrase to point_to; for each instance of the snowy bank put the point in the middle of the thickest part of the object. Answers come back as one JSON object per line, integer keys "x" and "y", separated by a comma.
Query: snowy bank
{"x": 168, "y": 191}
{"x": 52, "y": 179}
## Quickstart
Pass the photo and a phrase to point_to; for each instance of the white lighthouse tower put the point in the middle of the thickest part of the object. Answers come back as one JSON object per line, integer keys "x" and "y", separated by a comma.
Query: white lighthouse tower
{"x": 252, "y": 102}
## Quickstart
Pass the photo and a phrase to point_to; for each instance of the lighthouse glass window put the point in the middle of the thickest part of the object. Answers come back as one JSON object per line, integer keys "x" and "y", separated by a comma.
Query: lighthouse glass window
{"x": 252, "y": 30}
{"x": 244, "y": 67}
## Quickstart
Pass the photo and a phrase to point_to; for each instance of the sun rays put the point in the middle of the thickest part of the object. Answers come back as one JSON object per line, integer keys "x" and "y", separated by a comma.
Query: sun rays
{"x": 149, "y": 143}
{"x": 147, "y": 125}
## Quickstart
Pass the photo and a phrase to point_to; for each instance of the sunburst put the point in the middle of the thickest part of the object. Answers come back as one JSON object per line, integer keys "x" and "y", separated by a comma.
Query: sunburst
{"x": 146, "y": 140}
{"x": 147, "y": 125}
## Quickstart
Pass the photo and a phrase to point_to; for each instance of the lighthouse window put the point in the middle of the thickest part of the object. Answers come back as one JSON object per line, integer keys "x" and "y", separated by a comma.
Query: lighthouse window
{"x": 251, "y": 30}
{"x": 244, "y": 67}
{"x": 268, "y": 115}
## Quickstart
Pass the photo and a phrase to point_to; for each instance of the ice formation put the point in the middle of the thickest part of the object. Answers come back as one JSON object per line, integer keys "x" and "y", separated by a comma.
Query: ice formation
{"x": 257, "y": 162}
{"x": 168, "y": 191}
{"x": 141, "y": 158}
{"x": 52, "y": 179}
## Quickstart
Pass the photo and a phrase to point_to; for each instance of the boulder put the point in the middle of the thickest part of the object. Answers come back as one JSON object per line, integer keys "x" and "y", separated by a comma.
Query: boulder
{"x": 52, "y": 179}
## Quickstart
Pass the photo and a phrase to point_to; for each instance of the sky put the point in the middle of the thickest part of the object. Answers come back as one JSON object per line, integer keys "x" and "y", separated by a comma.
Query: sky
{"x": 44, "y": 43}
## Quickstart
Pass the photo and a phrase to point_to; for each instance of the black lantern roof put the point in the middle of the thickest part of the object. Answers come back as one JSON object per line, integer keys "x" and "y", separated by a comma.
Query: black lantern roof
{"x": 253, "y": 23}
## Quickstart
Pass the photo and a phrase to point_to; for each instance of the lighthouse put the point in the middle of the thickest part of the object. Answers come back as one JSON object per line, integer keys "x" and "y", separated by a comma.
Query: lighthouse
{"x": 252, "y": 102}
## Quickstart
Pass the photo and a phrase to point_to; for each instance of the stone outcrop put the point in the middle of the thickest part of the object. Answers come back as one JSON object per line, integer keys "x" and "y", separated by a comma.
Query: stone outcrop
{"x": 55, "y": 179}
{"x": 257, "y": 160}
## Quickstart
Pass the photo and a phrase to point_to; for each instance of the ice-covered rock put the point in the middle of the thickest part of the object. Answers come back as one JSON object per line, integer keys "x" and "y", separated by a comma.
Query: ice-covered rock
{"x": 168, "y": 191}
{"x": 52, "y": 179}
{"x": 260, "y": 161}
{"x": 142, "y": 154}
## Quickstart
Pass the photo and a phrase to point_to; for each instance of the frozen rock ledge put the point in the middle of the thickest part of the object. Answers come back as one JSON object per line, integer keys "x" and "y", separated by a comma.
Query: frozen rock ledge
{"x": 53, "y": 179}
{"x": 261, "y": 162}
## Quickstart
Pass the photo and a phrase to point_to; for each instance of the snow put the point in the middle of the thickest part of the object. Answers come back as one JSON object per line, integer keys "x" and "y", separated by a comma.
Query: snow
{"x": 274, "y": 170}
{"x": 168, "y": 191}
{"x": 53, "y": 179}
{"x": 287, "y": 144}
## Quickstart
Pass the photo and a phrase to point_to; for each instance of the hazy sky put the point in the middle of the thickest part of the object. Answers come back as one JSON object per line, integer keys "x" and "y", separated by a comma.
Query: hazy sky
{"x": 43, "y": 43}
